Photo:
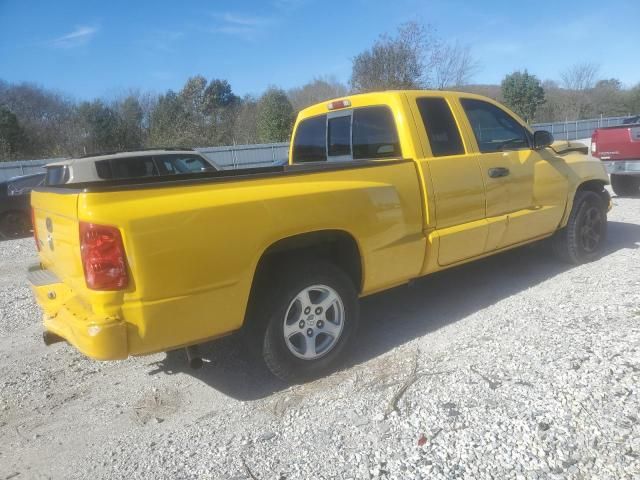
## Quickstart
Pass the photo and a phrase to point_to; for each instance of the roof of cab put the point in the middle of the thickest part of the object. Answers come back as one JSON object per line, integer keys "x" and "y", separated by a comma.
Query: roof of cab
{"x": 109, "y": 156}
{"x": 373, "y": 98}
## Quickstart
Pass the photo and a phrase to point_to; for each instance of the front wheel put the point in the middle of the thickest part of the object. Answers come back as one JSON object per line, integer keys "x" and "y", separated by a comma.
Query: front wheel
{"x": 625, "y": 185}
{"x": 582, "y": 240}
{"x": 312, "y": 319}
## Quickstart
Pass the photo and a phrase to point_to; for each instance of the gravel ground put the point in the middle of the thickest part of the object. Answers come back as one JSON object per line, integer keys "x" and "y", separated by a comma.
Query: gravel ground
{"x": 511, "y": 367}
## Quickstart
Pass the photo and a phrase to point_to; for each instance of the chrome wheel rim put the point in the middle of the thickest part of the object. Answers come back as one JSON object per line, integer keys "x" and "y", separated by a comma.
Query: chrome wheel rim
{"x": 591, "y": 230}
{"x": 314, "y": 322}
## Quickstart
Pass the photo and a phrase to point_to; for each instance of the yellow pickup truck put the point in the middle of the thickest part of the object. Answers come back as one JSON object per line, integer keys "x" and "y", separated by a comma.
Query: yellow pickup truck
{"x": 381, "y": 188}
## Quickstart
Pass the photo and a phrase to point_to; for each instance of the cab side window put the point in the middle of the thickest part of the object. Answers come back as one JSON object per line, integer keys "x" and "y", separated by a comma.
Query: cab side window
{"x": 493, "y": 128}
{"x": 442, "y": 131}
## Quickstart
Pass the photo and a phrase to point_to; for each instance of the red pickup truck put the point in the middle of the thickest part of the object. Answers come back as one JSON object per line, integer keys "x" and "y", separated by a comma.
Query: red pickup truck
{"x": 619, "y": 149}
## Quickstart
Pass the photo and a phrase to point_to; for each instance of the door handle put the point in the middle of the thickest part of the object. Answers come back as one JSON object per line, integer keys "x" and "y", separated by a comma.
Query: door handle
{"x": 497, "y": 172}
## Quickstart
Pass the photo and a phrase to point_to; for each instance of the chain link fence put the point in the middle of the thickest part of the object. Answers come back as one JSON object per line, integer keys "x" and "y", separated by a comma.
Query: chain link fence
{"x": 579, "y": 128}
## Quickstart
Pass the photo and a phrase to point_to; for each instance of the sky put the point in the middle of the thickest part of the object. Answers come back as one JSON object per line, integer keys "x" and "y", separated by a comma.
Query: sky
{"x": 93, "y": 48}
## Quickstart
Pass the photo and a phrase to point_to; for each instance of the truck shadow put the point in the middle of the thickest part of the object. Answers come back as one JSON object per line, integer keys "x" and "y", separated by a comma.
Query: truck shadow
{"x": 397, "y": 316}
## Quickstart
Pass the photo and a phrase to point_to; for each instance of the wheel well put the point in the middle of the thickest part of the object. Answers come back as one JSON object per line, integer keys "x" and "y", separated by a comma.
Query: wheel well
{"x": 335, "y": 246}
{"x": 595, "y": 186}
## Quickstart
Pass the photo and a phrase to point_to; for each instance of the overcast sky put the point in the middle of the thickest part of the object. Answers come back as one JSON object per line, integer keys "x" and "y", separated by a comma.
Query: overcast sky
{"x": 90, "y": 48}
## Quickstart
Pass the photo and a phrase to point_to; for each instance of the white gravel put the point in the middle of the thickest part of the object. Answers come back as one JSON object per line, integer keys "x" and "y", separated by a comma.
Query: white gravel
{"x": 512, "y": 367}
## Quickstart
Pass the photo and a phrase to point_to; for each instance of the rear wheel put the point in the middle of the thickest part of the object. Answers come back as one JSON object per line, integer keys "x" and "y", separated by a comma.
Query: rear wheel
{"x": 625, "y": 185}
{"x": 14, "y": 225}
{"x": 310, "y": 321}
{"x": 582, "y": 240}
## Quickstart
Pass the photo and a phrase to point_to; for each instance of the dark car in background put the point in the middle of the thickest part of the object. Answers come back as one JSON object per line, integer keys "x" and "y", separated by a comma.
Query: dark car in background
{"x": 15, "y": 205}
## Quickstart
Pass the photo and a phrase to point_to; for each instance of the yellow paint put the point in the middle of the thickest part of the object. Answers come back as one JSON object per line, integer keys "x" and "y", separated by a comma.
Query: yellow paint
{"x": 192, "y": 251}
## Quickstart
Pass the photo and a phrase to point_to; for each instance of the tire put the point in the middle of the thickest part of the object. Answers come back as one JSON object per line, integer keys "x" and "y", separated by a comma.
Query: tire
{"x": 625, "y": 185}
{"x": 305, "y": 336}
{"x": 583, "y": 239}
{"x": 15, "y": 225}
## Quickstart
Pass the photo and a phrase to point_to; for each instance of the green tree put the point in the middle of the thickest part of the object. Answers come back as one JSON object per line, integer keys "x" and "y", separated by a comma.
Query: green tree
{"x": 130, "y": 129}
{"x": 523, "y": 94}
{"x": 12, "y": 137}
{"x": 99, "y": 127}
{"x": 274, "y": 116}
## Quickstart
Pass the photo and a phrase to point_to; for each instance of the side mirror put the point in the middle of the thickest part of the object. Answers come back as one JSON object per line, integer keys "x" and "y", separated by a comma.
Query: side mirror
{"x": 542, "y": 139}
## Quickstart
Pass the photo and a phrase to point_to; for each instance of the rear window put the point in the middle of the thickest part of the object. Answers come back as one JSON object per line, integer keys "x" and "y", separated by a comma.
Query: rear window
{"x": 57, "y": 175}
{"x": 339, "y": 136}
{"x": 374, "y": 133}
{"x": 128, "y": 167}
{"x": 362, "y": 133}
{"x": 442, "y": 131}
{"x": 309, "y": 144}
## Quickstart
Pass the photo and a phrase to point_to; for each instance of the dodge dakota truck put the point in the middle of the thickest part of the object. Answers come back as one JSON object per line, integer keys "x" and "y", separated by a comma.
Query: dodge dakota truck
{"x": 619, "y": 149}
{"x": 380, "y": 189}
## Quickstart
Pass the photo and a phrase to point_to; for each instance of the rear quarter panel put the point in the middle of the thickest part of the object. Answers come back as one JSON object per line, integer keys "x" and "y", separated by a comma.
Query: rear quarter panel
{"x": 192, "y": 251}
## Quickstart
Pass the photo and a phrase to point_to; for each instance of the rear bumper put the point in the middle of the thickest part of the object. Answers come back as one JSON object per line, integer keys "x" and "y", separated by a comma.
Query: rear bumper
{"x": 99, "y": 337}
{"x": 622, "y": 167}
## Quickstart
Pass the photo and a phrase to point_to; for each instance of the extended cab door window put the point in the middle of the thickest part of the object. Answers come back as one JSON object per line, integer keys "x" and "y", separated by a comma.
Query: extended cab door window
{"x": 442, "y": 131}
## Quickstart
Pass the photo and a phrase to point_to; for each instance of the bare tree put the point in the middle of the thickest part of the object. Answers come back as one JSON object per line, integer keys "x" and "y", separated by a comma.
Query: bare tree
{"x": 452, "y": 65}
{"x": 579, "y": 80}
{"x": 580, "y": 77}
{"x": 414, "y": 58}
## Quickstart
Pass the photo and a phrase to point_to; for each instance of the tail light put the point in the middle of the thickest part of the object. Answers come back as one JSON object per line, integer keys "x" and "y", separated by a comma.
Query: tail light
{"x": 35, "y": 230}
{"x": 594, "y": 143}
{"x": 103, "y": 257}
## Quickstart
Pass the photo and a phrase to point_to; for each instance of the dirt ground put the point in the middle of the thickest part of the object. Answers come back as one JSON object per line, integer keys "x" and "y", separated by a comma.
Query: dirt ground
{"x": 516, "y": 366}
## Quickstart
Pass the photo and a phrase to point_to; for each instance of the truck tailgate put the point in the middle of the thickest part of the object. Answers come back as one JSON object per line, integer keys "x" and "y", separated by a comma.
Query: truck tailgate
{"x": 56, "y": 228}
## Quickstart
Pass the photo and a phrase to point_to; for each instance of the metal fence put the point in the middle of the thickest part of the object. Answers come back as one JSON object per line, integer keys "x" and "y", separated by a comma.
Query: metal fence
{"x": 22, "y": 167}
{"x": 247, "y": 156}
{"x": 579, "y": 128}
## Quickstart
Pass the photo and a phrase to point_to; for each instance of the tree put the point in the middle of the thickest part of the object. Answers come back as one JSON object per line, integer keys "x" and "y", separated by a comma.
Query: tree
{"x": 523, "y": 93}
{"x": 318, "y": 90}
{"x": 392, "y": 62}
{"x": 274, "y": 116}
{"x": 130, "y": 119}
{"x": 579, "y": 80}
{"x": 413, "y": 58}
{"x": 580, "y": 77}
{"x": 99, "y": 127}
{"x": 12, "y": 137}
{"x": 245, "y": 129}
{"x": 452, "y": 65}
